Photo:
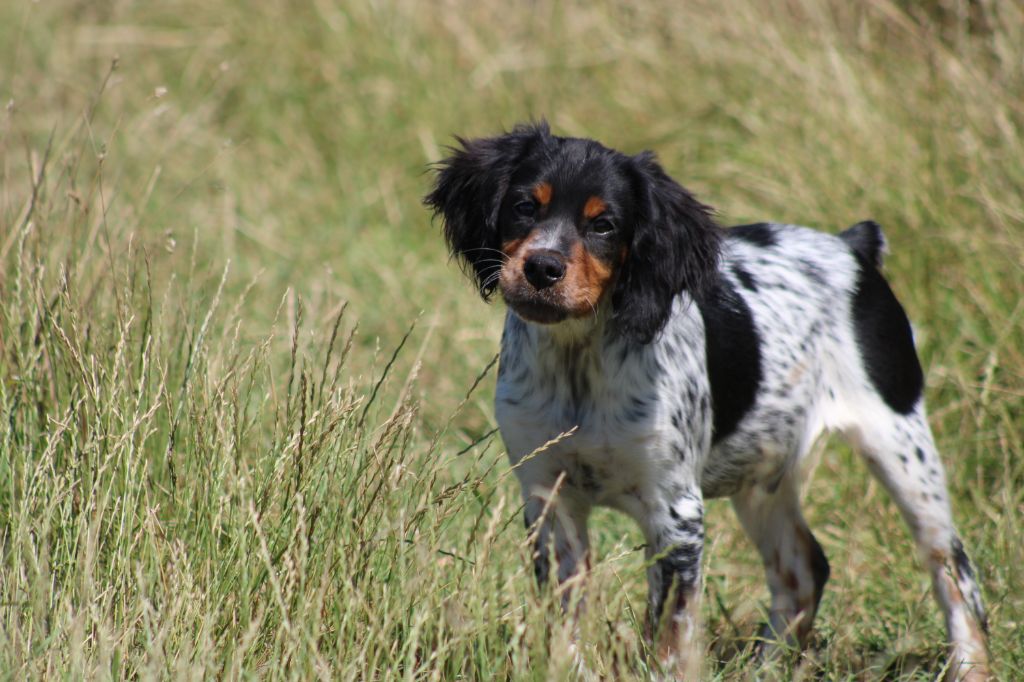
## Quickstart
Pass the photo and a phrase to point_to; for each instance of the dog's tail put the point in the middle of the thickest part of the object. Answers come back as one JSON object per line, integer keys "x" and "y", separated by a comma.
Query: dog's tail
{"x": 866, "y": 240}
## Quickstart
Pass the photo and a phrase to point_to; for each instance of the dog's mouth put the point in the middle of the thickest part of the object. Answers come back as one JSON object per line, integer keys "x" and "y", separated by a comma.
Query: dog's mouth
{"x": 534, "y": 306}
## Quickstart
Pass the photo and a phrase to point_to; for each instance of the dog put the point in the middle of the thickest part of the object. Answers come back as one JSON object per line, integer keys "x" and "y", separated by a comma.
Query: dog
{"x": 652, "y": 359}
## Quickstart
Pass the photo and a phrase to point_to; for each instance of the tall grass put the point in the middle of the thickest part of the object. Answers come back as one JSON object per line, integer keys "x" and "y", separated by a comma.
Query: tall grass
{"x": 245, "y": 424}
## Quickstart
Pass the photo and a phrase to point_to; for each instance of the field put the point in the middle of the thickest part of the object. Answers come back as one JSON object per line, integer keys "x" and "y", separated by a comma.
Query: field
{"x": 245, "y": 397}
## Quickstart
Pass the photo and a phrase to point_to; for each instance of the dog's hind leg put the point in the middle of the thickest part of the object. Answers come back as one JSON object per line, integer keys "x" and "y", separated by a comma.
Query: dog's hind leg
{"x": 900, "y": 451}
{"x": 794, "y": 563}
{"x": 879, "y": 405}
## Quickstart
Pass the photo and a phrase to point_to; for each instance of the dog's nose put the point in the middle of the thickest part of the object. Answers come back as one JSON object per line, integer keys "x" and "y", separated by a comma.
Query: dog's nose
{"x": 543, "y": 269}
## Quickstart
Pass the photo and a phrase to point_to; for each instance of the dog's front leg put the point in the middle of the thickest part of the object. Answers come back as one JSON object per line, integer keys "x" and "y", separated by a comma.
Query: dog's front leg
{"x": 675, "y": 541}
{"x": 556, "y": 520}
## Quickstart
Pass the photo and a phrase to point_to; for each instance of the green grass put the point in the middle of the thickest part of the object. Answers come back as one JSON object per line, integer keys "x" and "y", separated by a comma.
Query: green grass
{"x": 224, "y": 453}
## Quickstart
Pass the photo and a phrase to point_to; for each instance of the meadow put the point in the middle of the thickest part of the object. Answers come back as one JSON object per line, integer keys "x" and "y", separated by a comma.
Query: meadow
{"x": 245, "y": 397}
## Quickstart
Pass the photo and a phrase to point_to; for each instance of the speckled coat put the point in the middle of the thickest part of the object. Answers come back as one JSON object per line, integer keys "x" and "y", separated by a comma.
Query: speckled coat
{"x": 651, "y": 360}
{"x": 727, "y": 401}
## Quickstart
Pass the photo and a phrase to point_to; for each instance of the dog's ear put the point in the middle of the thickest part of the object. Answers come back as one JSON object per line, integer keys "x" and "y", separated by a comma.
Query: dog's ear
{"x": 468, "y": 191}
{"x": 674, "y": 247}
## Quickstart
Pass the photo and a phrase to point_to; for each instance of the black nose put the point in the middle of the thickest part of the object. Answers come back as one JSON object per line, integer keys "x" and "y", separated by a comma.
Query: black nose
{"x": 543, "y": 269}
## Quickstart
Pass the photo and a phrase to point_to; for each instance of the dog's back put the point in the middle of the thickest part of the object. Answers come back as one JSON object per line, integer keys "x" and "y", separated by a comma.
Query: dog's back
{"x": 802, "y": 334}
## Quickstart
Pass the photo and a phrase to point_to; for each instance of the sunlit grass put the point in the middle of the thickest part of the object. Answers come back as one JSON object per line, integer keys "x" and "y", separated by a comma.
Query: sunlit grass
{"x": 241, "y": 426}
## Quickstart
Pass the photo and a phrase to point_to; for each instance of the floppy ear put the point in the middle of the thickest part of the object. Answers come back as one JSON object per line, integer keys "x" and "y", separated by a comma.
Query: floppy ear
{"x": 674, "y": 248}
{"x": 468, "y": 191}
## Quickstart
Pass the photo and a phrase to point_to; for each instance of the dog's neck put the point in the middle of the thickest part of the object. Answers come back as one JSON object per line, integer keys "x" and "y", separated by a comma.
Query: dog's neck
{"x": 574, "y": 333}
{"x": 566, "y": 369}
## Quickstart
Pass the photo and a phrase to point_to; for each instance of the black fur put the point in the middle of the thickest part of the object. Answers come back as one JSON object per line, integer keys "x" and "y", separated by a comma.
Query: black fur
{"x": 675, "y": 248}
{"x": 745, "y": 278}
{"x": 755, "y": 233}
{"x": 733, "y": 357}
{"x": 819, "y": 567}
{"x": 679, "y": 570}
{"x": 964, "y": 568}
{"x": 470, "y": 186}
{"x": 867, "y": 240}
{"x": 885, "y": 340}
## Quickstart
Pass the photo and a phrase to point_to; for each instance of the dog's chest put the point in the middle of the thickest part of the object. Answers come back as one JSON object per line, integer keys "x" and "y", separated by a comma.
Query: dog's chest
{"x": 618, "y": 426}
{"x": 601, "y": 436}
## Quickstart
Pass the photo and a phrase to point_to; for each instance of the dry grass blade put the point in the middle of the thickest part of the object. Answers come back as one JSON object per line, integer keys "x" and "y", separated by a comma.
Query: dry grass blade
{"x": 189, "y": 489}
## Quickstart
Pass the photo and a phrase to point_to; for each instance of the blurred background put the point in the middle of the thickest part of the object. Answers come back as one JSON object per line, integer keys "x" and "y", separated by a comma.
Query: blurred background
{"x": 227, "y": 454}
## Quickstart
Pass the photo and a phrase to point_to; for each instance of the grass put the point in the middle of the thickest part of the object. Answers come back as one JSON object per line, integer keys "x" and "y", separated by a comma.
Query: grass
{"x": 245, "y": 397}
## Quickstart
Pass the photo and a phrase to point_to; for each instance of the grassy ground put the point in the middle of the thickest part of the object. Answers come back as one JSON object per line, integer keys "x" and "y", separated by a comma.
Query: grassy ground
{"x": 224, "y": 453}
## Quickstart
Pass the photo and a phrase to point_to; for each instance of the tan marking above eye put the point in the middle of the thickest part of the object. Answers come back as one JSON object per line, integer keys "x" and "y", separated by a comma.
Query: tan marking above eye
{"x": 542, "y": 193}
{"x": 594, "y": 207}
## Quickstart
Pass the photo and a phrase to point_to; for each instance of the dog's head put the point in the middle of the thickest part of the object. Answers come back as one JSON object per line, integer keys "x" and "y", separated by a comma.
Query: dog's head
{"x": 564, "y": 225}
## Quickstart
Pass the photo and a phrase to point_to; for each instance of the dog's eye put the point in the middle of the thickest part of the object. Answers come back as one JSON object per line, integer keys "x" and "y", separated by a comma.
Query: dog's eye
{"x": 603, "y": 227}
{"x": 526, "y": 209}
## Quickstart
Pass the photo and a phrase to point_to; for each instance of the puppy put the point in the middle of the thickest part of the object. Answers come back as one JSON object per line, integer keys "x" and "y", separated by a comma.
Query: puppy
{"x": 672, "y": 361}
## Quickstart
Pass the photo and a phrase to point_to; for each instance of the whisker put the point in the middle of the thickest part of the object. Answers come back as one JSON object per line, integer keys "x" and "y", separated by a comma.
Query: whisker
{"x": 492, "y": 274}
{"x": 491, "y": 279}
{"x": 496, "y": 266}
{"x": 485, "y": 248}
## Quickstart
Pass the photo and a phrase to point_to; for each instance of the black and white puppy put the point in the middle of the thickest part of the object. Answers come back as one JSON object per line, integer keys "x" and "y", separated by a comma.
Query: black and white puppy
{"x": 686, "y": 362}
